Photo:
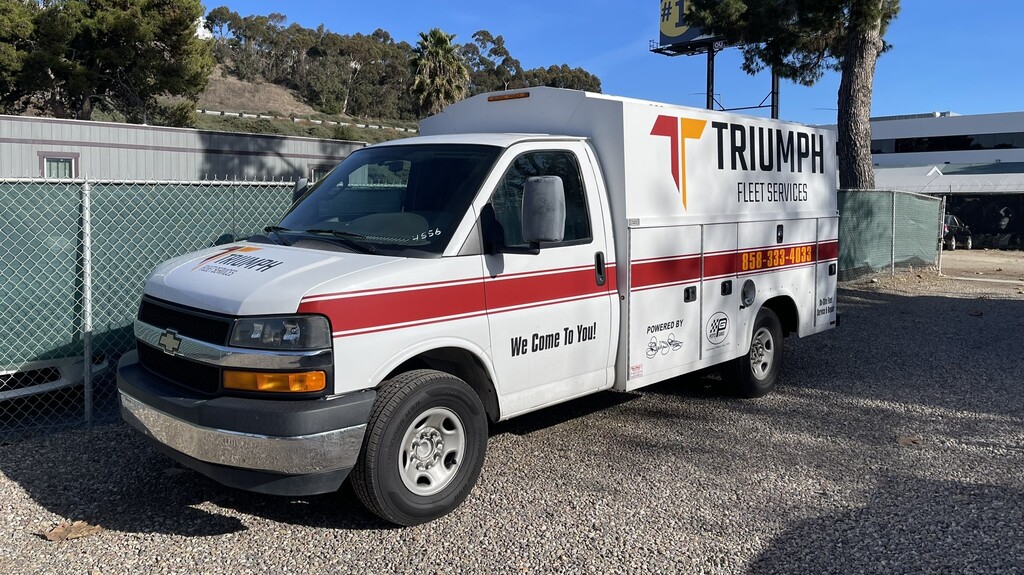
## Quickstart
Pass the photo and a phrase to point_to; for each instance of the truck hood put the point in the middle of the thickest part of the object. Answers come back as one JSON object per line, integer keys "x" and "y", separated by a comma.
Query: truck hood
{"x": 253, "y": 279}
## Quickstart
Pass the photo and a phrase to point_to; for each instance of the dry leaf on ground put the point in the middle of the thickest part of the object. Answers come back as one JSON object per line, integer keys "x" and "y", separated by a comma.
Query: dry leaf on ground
{"x": 71, "y": 531}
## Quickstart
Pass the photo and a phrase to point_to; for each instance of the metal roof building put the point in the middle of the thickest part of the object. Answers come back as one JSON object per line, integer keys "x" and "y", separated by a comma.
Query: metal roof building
{"x": 975, "y": 162}
{"x": 55, "y": 148}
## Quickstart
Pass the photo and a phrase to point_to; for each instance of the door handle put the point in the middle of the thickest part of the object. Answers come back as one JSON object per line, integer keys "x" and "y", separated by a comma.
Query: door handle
{"x": 599, "y": 273}
{"x": 690, "y": 294}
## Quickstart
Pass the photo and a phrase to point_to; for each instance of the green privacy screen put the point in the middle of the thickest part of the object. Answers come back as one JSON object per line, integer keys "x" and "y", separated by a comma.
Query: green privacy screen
{"x": 133, "y": 227}
{"x": 886, "y": 230}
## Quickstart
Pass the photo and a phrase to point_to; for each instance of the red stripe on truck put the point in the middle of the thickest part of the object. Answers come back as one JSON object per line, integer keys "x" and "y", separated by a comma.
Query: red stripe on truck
{"x": 648, "y": 274}
{"x": 407, "y": 306}
{"x": 367, "y": 311}
{"x": 673, "y": 270}
{"x": 828, "y": 250}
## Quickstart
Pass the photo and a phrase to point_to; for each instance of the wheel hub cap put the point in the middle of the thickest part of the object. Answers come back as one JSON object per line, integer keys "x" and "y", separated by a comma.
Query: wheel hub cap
{"x": 762, "y": 352}
{"x": 426, "y": 448}
{"x": 431, "y": 451}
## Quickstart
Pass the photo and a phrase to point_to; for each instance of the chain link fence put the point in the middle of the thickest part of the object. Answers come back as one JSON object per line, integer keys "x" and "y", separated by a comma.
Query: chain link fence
{"x": 72, "y": 269}
{"x": 884, "y": 230}
{"x": 76, "y": 255}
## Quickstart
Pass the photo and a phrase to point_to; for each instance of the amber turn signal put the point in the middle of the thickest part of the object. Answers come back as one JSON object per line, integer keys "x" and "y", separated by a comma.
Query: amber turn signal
{"x": 300, "y": 382}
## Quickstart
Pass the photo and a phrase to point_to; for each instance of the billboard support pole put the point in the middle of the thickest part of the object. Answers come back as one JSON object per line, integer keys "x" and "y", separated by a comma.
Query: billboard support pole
{"x": 711, "y": 77}
{"x": 775, "y": 94}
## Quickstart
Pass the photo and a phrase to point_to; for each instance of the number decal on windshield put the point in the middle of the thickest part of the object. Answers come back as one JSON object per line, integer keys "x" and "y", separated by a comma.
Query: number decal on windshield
{"x": 428, "y": 235}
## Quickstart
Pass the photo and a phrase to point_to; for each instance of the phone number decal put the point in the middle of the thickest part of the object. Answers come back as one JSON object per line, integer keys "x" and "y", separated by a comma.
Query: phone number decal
{"x": 775, "y": 258}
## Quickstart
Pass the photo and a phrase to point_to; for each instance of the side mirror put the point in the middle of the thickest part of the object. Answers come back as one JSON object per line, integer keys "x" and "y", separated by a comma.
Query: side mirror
{"x": 300, "y": 188}
{"x": 543, "y": 210}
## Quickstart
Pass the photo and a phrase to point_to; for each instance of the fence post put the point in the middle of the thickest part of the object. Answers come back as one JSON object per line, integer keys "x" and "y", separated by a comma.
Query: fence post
{"x": 892, "y": 257}
{"x": 942, "y": 214}
{"x": 86, "y": 190}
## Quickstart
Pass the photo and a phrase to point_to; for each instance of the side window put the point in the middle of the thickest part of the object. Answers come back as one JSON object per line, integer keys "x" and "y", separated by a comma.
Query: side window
{"x": 507, "y": 201}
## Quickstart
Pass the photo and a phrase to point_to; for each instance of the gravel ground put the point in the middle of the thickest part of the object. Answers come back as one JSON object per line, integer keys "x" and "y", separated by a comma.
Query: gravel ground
{"x": 894, "y": 445}
{"x": 984, "y": 264}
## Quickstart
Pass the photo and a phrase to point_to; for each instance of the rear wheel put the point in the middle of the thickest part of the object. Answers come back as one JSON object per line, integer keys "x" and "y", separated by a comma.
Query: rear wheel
{"x": 756, "y": 373}
{"x": 952, "y": 243}
{"x": 423, "y": 449}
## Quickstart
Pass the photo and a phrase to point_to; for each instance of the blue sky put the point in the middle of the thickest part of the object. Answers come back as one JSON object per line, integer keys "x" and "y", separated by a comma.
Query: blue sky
{"x": 948, "y": 54}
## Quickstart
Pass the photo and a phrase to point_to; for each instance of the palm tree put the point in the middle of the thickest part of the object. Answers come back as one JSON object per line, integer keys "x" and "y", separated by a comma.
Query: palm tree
{"x": 441, "y": 75}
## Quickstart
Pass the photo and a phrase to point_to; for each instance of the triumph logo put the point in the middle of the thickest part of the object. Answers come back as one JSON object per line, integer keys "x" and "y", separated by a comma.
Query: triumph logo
{"x": 678, "y": 130}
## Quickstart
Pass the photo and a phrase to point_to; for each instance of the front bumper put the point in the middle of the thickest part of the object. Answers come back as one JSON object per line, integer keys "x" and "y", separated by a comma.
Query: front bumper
{"x": 275, "y": 446}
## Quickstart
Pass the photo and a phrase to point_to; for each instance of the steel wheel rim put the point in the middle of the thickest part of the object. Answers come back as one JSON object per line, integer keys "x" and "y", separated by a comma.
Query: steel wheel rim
{"x": 762, "y": 353}
{"x": 431, "y": 451}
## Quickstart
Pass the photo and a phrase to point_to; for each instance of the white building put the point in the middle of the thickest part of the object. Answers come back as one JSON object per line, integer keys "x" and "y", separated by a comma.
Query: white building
{"x": 57, "y": 148}
{"x": 976, "y": 162}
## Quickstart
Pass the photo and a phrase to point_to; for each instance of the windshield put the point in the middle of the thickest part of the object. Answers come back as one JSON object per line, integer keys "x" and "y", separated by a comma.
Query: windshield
{"x": 400, "y": 200}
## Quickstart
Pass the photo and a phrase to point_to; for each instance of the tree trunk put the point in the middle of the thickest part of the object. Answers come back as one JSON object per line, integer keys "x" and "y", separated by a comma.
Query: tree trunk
{"x": 863, "y": 46}
{"x": 85, "y": 111}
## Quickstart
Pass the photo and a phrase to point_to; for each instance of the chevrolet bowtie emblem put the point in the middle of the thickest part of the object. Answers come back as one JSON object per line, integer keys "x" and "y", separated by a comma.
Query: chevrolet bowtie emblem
{"x": 169, "y": 341}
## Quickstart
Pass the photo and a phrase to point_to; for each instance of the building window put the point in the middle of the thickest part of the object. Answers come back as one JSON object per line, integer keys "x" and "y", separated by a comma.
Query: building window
{"x": 60, "y": 168}
{"x": 1001, "y": 141}
{"x": 317, "y": 172}
{"x": 58, "y": 165}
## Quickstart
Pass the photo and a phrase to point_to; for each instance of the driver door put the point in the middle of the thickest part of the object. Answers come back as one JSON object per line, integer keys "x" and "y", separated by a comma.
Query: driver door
{"x": 549, "y": 313}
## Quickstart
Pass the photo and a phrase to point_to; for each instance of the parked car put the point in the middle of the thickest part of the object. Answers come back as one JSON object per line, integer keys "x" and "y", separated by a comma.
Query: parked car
{"x": 955, "y": 233}
{"x": 37, "y": 377}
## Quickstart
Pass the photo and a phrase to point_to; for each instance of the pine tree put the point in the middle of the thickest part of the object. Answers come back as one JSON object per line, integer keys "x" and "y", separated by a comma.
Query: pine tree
{"x": 800, "y": 39}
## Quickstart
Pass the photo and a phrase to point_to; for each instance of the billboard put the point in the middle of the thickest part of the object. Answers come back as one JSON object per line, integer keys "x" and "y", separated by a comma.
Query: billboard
{"x": 675, "y": 33}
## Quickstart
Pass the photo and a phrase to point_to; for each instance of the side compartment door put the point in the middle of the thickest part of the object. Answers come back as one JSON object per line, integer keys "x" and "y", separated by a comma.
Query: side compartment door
{"x": 827, "y": 273}
{"x": 664, "y": 303}
{"x": 549, "y": 313}
{"x": 720, "y": 302}
{"x": 777, "y": 257}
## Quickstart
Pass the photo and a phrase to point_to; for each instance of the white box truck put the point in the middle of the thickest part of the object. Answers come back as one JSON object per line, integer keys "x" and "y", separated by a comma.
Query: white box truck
{"x": 529, "y": 248}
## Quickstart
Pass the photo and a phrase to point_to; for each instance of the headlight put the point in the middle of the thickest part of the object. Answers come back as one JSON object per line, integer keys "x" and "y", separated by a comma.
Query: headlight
{"x": 296, "y": 333}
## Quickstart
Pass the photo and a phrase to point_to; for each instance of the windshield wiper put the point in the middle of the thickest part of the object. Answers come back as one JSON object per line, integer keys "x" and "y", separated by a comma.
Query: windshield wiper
{"x": 277, "y": 231}
{"x": 343, "y": 238}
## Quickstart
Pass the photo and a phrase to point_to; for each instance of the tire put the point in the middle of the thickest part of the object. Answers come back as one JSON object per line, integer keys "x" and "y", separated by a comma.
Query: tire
{"x": 969, "y": 243}
{"x": 952, "y": 243}
{"x": 423, "y": 448}
{"x": 756, "y": 372}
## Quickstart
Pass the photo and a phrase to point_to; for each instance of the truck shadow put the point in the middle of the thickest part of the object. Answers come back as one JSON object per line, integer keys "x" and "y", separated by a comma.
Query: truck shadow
{"x": 109, "y": 476}
{"x": 887, "y": 534}
{"x": 951, "y": 353}
{"x": 561, "y": 413}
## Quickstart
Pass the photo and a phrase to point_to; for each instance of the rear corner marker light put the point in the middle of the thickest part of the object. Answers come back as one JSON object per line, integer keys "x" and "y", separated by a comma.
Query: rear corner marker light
{"x": 299, "y": 382}
{"x": 512, "y": 96}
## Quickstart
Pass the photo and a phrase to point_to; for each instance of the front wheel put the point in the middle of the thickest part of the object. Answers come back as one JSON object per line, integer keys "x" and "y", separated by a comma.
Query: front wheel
{"x": 968, "y": 243}
{"x": 756, "y": 373}
{"x": 952, "y": 243}
{"x": 423, "y": 449}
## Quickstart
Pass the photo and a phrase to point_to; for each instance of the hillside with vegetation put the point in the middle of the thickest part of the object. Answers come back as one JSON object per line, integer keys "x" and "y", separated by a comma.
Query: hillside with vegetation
{"x": 141, "y": 61}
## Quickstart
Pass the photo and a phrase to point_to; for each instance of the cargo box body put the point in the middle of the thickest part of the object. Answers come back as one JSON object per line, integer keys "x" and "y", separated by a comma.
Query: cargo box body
{"x": 701, "y": 201}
